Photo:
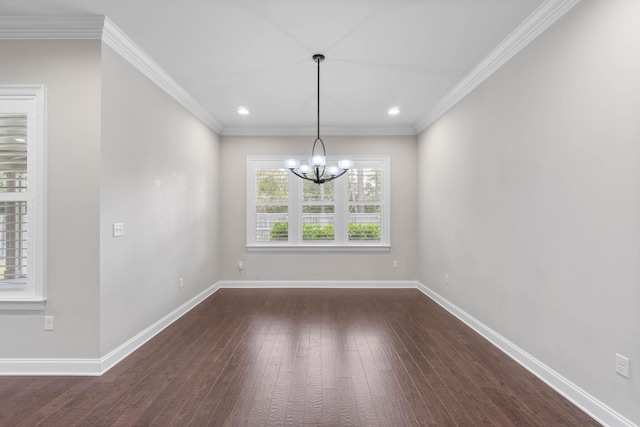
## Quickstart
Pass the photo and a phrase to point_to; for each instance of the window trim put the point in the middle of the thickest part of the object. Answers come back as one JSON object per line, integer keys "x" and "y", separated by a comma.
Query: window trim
{"x": 33, "y": 296}
{"x": 341, "y": 203}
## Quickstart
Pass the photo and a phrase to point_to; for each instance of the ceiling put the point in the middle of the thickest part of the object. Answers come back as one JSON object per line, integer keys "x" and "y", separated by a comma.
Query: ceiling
{"x": 257, "y": 54}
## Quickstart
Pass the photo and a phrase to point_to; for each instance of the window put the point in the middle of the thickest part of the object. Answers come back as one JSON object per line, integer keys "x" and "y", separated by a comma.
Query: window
{"x": 351, "y": 212}
{"x": 21, "y": 197}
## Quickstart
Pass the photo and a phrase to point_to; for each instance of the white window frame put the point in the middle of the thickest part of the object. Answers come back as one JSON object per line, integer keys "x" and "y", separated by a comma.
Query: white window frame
{"x": 341, "y": 242}
{"x": 29, "y": 99}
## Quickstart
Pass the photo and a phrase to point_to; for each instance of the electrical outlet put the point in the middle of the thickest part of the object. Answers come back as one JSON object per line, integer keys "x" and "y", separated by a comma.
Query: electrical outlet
{"x": 118, "y": 229}
{"x": 395, "y": 264}
{"x": 446, "y": 278}
{"x": 240, "y": 265}
{"x": 48, "y": 323}
{"x": 622, "y": 365}
{"x": 181, "y": 283}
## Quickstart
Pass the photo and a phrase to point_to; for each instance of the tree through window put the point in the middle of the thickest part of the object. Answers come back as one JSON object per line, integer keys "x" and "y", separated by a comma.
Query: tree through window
{"x": 288, "y": 211}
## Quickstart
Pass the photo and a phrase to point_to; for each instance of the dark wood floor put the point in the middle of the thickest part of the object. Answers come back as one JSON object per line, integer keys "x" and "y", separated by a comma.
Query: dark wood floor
{"x": 301, "y": 357}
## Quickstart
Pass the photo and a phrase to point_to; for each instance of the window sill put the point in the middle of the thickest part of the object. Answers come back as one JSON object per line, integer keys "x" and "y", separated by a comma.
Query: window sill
{"x": 318, "y": 248}
{"x": 22, "y": 305}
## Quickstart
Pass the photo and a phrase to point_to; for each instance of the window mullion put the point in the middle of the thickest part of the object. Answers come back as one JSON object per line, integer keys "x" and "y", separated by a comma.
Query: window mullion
{"x": 295, "y": 210}
{"x": 341, "y": 215}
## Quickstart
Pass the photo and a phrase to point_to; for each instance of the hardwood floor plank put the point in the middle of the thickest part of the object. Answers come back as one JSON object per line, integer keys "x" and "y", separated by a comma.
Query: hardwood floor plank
{"x": 433, "y": 412}
{"x": 19, "y": 406}
{"x": 313, "y": 386}
{"x": 57, "y": 404}
{"x": 246, "y": 390}
{"x": 218, "y": 392}
{"x": 149, "y": 385}
{"x": 109, "y": 388}
{"x": 366, "y": 412}
{"x": 390, "y": 405}
{"x": 457, "y": 378}
{"x": 260, "y": 410}
{"x": 190, "y": 394}
{"x": 300, "y": 357}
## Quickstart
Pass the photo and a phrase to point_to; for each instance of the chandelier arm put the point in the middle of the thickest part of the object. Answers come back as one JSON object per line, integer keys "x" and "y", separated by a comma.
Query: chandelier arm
{"x": 340, "y": 174}
{"x": 317, "y": 179}
{"x": 297, "y": 174}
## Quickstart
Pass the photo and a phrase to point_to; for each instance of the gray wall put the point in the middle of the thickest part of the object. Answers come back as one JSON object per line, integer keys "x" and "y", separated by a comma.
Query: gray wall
{"x": 70, "y": 70}
{"x": 159, "y": 169}
{"x": 530, "y": 200}
{"x": 317, "y": 266}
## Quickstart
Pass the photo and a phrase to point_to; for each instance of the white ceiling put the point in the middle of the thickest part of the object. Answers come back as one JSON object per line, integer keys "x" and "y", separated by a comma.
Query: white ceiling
{"x": 257, "y": 54}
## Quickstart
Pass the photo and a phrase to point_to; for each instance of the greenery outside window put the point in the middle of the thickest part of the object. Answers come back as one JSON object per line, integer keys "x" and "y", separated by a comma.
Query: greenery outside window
{"x": 285, "y": 211}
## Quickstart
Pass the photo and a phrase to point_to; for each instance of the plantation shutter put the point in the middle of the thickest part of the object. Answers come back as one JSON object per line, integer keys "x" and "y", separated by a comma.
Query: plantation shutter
{"x": 365, "y": 202}
{"x": 318, "y": 211}
{"x": 14, "y": 195}
{"x": 271, "y": 205}
{"x": 350, "y": 213}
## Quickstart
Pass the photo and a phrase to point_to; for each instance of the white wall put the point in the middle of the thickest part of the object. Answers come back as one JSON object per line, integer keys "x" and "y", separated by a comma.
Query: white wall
{"x": 159, "y": 176}
{"x": 317, "y": 266}
{"x": 530, "y": 200}
{"x": 70, "y": 70}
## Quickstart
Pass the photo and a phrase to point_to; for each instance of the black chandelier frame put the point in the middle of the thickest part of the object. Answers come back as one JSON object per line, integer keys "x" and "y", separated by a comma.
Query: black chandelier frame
{"x": 317, "y": 171}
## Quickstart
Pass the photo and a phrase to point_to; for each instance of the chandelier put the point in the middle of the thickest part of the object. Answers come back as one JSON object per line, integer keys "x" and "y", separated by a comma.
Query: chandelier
{"x": 317, "y": 170}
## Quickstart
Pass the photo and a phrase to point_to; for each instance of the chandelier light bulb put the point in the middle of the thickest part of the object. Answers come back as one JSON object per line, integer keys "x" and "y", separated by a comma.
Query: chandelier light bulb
{"x": 317, "y": 161}
{"x": 333, "y": 170}
{"x": 291, "y": 164}
{"x": 345, "y": 164}
{"x": 304, "y": 169}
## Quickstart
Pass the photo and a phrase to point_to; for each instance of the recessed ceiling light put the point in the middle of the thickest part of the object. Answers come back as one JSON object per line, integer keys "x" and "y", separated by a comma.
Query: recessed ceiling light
{"x": 394, "y": 111}
{"x": 243, "y": 111}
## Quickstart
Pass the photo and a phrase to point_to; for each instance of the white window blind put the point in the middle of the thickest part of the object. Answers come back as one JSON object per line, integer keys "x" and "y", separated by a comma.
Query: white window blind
{"x": 365, "y": 195}
{"x": 271, "y": 205}
{"x": 21, "y": 198}
{"x": 349, "y": 212}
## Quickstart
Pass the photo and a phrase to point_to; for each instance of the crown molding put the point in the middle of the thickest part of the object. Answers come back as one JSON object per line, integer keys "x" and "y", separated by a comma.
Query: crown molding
{"x": 541, "y": 19}
{"x": 51, "y": 27}
{"x": 312, "y": 131}
{"x": 101, "y": 28}
{"x": 123, "y": 45}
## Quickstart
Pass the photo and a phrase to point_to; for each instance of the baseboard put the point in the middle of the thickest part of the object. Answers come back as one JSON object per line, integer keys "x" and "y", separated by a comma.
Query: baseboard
{"x": 96, "y": 367}
{"x": 67, "y": 367}
{"x": 116, "y": 355}
{"x": 583, "y": 400}
{"x": 348, "y": 284}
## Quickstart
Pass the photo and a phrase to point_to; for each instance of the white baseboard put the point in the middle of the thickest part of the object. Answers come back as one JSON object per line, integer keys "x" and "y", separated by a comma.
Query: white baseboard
{"x": 348, "y": 284}
{"x": 583, "y": 400}
{"x": 96, "y": 367}
{"x": 68, "y": 367}
{"x": 116, "y": 355}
